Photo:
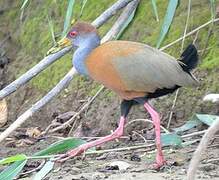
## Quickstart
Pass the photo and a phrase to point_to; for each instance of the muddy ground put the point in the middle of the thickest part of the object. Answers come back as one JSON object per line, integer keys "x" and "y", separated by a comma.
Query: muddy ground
{"x": 99, "y": 119}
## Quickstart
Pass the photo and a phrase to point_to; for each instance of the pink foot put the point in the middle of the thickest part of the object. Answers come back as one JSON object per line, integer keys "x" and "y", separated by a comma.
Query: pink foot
{"x": 82, "y": 148}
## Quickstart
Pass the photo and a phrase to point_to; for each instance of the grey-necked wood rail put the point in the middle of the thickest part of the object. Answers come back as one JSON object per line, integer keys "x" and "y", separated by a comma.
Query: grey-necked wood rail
{"x": 135, "y": 71}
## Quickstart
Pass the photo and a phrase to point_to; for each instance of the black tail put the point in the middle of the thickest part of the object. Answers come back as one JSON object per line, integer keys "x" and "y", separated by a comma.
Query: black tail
{"x": 189, "y": 58}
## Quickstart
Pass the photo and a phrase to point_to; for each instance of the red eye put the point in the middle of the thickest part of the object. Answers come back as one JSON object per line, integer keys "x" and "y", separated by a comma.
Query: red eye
{"x": 73, "y": 33}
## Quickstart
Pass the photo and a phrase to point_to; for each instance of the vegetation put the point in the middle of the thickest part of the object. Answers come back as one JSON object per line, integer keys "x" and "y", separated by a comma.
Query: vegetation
{"x": 41, "y": 25}
{"x": 35, "y": 38}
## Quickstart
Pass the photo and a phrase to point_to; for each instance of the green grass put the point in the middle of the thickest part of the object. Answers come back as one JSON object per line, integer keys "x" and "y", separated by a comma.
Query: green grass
{"x": 35, "y": 38}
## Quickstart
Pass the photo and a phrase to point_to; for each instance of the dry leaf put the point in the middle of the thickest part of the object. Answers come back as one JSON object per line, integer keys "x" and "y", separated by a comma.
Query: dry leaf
{"x": 3, "y": 112}
{"x": 33, "y": 132}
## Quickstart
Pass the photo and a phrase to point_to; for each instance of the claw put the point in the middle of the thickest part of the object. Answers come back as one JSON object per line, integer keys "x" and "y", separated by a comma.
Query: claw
{"x": 64, "y": 157}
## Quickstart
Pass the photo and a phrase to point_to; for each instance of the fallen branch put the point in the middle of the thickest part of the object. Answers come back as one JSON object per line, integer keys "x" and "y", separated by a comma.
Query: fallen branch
{"x": 201, "y": 148}
{"x": 21, "y": 119}
{"x": 110, "y": 12}
{"x": 146, "y": 120}
{"x": 53, "y": 57}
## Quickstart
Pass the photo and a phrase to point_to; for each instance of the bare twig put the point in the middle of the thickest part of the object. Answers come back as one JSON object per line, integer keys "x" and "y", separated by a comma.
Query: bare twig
{"x": 201, "y": 148}
{"x": 189, "y": 34}
{"x": 187, "y": 22}
{"x": 130, "y": 148}
{"x": 145, "y": 120}
{"x": 194, "y": 134}
{"x": 32, "y": 72}
{"x": 53, "y": 57}
{"x": 33, "y": 170}
{"x": 110, "y": 12}
{"x": 21, "y": 119}
{"x": 4, "y": 40}
{"x": 171, "y": 111}
{"x": 66, "y": 124}
{"x": 113, "y": 32}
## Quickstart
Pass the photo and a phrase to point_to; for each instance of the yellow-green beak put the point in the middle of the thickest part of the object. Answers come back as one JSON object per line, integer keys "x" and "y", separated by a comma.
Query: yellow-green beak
{"x": 64, "y": 42}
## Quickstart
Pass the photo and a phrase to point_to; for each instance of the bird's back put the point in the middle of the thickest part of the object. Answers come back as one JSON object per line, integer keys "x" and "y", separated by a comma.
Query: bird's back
{"x": 135, "y": 68}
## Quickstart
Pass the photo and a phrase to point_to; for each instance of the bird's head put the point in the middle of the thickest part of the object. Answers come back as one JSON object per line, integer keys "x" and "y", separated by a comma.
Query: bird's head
{"x": 81, "y": 33}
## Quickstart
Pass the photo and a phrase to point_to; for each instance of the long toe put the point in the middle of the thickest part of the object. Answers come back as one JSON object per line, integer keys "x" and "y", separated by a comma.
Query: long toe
{"x": 72, "y": 153}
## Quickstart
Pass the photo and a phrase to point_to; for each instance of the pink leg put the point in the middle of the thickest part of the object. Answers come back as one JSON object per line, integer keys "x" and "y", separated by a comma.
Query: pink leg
{"x": 77, "y": 151}
{"x": 156, "y": 120}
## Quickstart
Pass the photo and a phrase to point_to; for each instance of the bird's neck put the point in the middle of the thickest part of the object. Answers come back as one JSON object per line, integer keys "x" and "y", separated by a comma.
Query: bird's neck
{"x": 83, "y": 51}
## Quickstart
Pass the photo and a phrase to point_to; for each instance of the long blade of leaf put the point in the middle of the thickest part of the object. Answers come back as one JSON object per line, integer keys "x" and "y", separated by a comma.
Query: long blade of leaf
{"x": 18, "y": 157}
{"x": 51, "y": 28}
{"x": 12, "y": 171}
{"x": 154, "y": 5}
{"x": 82, "y": 7}
{"x": 213, "y": 9}
{"x": 128, "y": 21}
{"x": 44, "y": 171}
{"x": 206, "y": 118}
{"x": 61, "y": 146}
{"x": 68, "y": 16}
{"x": 194, "y": 122}
{"x": 171, "y": 139}
{"x": 24, "y": 4}
{"x": 167, "y": 20}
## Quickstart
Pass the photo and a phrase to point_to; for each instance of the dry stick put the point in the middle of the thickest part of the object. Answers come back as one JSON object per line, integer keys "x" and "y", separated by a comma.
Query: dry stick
{"x": 146, "y": 120}
{"x": 201, "y": 148}
{"x": 4, "y": 40}
{"x": 63, "y": 83}
{"x": 187, "y": 22}
{"x": 190, "y": 33}
{"x": 194, "y": 134}
{"x": 112, "y": 33}
{"x": 79, "y": 112}
{"x": 110, "y": 12}
{"x": 32, "y": 72}
{"x": 53, "y": 57}
{"x": 182, "y": 45}
{"x": 21, "y": 119}
{"x": 171, "y": 112}
{"x": 120, "y": 149}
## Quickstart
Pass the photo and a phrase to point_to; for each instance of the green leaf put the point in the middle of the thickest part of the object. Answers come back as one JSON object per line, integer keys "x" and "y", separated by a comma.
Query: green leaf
{"x": 206, "y": 118}
{"x": 12, "y": 171}
{"x": 155, "y": 9}
{"x": 61, "y": 146}
{"x": 213, "y": 9}
{"x": 82, "y": 7}
{"x": 171, "y": 139}
{"x": 44, "y": 171}
{"x": 68, "y": 16}
{"x": 167, "y": 20}
{"x": 127, "y": 22}
{"x": 188, "y": 125}
{"x": 24, "y": 4}
{"x": 11, "y": 159}
{"x": 51, "y": 28}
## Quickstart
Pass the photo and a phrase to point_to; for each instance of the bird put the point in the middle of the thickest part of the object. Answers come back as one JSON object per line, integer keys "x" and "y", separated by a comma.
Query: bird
{"x": 136, "y": 72}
